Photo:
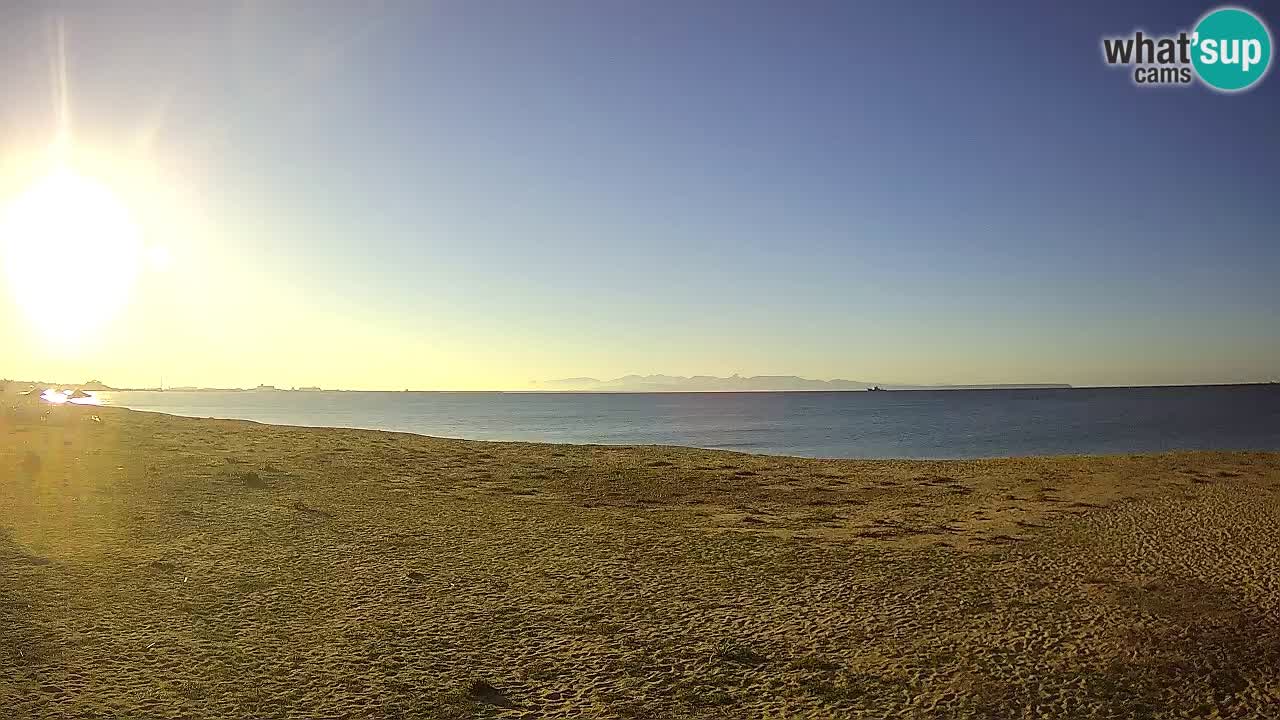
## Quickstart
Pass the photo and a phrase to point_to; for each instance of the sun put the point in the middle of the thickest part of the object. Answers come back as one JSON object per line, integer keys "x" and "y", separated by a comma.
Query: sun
{"x": 71, "y": 253}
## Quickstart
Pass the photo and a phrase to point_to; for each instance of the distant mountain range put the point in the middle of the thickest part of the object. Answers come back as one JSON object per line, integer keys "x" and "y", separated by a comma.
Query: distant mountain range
{"x": 757, "y": 383}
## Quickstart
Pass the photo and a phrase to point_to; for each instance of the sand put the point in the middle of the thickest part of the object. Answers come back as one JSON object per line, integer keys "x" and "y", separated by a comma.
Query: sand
{"x": 160, "y": 567}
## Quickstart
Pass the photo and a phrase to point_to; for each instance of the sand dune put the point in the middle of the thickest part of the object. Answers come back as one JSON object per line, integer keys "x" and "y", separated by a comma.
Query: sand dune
{"x": 164, "y": 567}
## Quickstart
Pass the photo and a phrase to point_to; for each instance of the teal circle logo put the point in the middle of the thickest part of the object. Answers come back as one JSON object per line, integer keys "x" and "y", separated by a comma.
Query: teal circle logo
{"x": 1231, "y": 49}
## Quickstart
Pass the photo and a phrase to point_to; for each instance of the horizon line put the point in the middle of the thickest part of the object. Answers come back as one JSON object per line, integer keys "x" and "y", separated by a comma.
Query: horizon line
{"x": 976, "y": 387}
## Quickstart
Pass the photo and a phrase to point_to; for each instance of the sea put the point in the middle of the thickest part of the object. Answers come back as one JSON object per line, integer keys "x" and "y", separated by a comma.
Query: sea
{"x": 887, "y": 424}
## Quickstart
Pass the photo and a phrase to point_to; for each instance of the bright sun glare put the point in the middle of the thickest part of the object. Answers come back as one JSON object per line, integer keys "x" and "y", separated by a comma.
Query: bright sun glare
{"x": 71, "y": 252}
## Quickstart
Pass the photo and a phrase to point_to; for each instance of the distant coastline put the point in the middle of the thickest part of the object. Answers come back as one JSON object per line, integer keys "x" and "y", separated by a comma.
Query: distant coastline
{"x": 634, "y": 384}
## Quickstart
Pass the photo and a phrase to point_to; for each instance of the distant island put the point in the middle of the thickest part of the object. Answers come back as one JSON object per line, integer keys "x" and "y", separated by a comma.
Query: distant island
{"x": 756, "y": 383}
{"x": 90, "y": 386}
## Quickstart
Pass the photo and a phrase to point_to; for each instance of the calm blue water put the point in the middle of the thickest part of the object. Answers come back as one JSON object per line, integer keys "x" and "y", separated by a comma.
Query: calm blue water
{"x": 919, "y": 424}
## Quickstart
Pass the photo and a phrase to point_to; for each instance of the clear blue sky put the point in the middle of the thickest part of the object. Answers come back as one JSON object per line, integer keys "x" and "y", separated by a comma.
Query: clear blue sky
{"x": 479, "y": 194}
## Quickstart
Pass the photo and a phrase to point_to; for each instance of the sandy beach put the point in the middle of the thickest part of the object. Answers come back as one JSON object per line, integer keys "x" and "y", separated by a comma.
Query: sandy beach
{"x": 162, "y": 567}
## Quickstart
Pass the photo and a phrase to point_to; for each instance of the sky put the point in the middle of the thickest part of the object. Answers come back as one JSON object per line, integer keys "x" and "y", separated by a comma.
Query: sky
{"x": 487, "y": 195}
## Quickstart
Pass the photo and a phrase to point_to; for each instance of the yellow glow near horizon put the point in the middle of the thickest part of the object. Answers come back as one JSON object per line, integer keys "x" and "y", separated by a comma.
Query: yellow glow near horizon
{"x": 71, "y": 253}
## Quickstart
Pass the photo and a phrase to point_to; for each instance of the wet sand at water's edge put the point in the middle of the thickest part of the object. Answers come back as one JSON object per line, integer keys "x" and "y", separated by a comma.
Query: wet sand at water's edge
{"x": 162, "y": 567}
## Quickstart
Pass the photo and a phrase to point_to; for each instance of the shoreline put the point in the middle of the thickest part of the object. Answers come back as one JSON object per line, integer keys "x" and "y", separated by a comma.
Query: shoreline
{"x": 662, "y": 446}
{"x": 164, "y": 566}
